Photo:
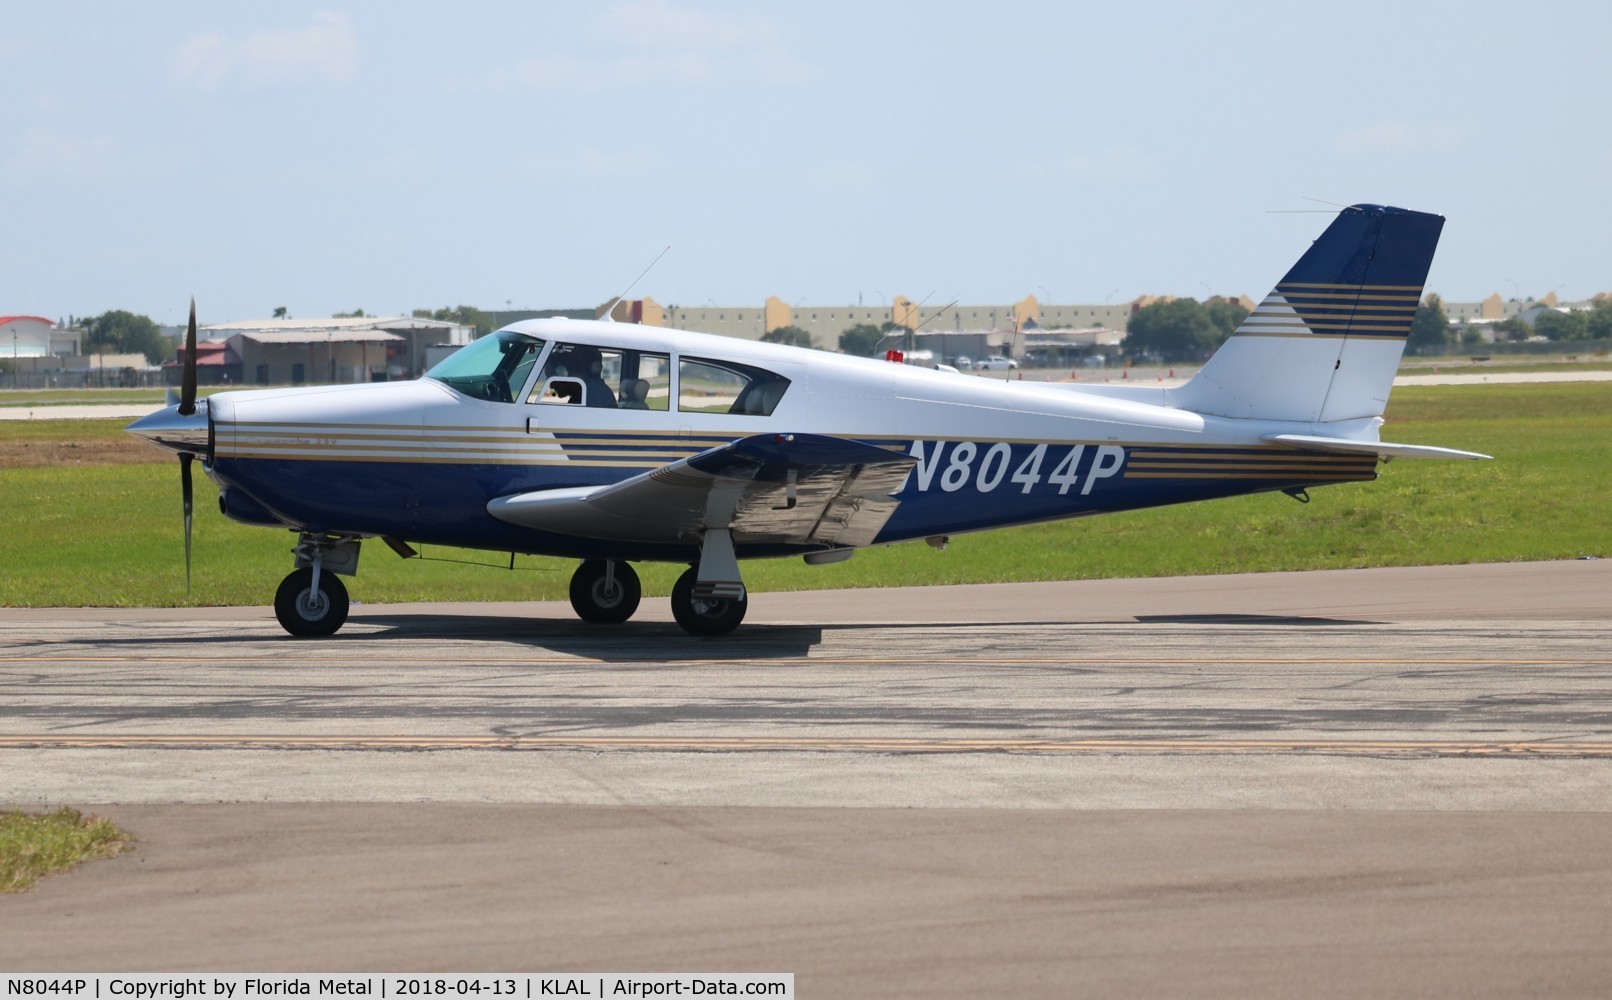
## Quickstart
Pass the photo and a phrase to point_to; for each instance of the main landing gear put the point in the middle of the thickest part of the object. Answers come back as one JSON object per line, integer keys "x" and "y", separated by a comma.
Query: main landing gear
{"x": 606, "y": 592}
{"x": 708, "y": 615}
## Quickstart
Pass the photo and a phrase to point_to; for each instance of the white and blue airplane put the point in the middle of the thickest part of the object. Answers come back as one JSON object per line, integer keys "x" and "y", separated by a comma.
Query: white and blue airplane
{"x": 614, "y": 443}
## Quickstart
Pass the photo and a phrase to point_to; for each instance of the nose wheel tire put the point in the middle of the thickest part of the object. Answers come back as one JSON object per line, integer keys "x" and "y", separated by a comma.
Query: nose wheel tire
{"x": 605, "y": 598}
{"x": 303, "y": 611}
{"x": 704, "y": 616}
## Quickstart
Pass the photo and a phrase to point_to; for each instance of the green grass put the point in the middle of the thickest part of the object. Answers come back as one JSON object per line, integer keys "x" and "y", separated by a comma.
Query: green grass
{"x": 33, "y": 846}
{"x": 93, "y": 397}
{"x": 1465, "y": 366}
{"x": 110, "y": 535}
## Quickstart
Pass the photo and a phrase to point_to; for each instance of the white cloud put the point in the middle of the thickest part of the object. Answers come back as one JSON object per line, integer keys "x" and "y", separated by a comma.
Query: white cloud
{"x": 1119, "y": 162}
{"x": 324, "y": 51}
{"x": 650, "y": 43}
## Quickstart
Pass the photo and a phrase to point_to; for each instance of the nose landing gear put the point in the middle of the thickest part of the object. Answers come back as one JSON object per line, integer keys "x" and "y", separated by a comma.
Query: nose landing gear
{"x": 312, "y": 601}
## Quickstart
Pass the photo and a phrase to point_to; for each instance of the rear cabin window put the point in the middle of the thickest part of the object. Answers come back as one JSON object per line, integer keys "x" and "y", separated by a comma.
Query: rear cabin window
{"x": 708, "y": 386}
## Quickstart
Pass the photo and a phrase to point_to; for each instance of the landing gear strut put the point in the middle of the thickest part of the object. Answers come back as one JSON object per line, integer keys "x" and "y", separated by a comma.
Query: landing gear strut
{"x": 605, "y": 591}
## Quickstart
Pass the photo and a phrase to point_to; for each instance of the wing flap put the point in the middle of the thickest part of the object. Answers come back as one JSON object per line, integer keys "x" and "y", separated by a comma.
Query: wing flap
{"x": 786, "y": 488}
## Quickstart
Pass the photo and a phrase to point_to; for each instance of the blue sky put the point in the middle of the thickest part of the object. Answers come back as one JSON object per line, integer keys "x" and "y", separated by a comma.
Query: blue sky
{"x": 396, "y": 155}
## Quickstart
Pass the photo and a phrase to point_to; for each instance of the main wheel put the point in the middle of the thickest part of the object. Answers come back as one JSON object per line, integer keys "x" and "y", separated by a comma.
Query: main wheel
{"x": 302, "y": 611}
{"x": 704, "y": 616}
{"x": 604, "y": 602}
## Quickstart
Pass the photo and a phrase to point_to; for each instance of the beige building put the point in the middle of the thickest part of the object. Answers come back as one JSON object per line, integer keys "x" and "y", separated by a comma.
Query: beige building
{"x": 825, "y": 323}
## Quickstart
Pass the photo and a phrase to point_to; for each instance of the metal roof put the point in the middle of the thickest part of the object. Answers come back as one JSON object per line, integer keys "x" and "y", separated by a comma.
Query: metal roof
{"x": 337, "y": 323}
{"x": 318, "y": 336}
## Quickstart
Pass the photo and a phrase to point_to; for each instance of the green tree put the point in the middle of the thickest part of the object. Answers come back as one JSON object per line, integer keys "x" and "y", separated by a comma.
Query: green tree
{"x": 1177, "y": 330}
{"x": 861, "y": 340}
{"x": 1430, "y": 328}
{"x": 1598, "y": 325}
{"x": 464, "y": 315}
{"x": 280, "y": 312}
{"x": 792, "y": 335}
{"x": 1554, "y": 325}
{"x": 123, "y": 332}
{"x": 355, "y": 314}
{"x": 1226, "y": 315}
{"x": 1512, "y": 328}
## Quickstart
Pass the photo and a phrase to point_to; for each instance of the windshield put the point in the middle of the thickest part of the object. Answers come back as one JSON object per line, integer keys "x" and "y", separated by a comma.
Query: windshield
{"x": 492, "y": 368}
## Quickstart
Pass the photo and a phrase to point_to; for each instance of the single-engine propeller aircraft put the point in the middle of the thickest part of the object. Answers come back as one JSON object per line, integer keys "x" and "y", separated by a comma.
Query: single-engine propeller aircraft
{"x": 614, "y": 443}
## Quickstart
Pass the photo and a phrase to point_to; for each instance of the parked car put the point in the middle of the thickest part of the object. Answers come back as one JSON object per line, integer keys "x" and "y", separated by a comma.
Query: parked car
{"x": 995, "y": 363}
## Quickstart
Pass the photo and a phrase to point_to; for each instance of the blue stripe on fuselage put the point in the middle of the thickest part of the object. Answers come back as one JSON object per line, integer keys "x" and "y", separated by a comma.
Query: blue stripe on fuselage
{"x": 956, "y": 486}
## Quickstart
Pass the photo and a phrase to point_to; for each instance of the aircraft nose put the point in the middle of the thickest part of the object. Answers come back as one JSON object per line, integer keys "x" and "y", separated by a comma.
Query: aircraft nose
{"x": 167, "y": 428}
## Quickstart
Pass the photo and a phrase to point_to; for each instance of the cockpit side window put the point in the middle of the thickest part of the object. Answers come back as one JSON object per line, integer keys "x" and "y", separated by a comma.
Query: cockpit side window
{"x": 494, "y": 368}
{"x": 610, "y": 377}
{"x": 708, "y": 386}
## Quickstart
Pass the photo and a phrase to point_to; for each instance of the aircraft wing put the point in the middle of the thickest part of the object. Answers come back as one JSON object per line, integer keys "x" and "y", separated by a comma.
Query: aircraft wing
{"x": 1305, "y": 442}
{"x": 786, "y": 488}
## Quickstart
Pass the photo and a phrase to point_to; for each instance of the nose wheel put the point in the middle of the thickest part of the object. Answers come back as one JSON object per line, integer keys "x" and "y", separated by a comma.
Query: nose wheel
{"x": 605, "y": 591}
{"x": 305, "y": 610}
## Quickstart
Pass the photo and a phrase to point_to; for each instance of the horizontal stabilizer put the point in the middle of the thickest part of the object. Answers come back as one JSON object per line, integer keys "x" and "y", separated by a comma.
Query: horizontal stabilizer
{"x": 1305, "y": 442}
{"x": 789, "y": 488}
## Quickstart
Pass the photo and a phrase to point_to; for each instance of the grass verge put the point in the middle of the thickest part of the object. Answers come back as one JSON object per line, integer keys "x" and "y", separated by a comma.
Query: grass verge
{"x": 34, "y": 845}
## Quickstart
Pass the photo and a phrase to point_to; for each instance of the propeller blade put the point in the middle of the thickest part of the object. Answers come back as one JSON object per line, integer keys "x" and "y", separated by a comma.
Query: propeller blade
{"x": 186, "y": 493}
{"x": 187, "y": 385}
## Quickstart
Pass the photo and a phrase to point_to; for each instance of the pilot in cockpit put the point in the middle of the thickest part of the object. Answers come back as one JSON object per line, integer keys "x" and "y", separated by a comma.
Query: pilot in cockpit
{"x": 585, "y": 365}
{"x": 589, "y": 367}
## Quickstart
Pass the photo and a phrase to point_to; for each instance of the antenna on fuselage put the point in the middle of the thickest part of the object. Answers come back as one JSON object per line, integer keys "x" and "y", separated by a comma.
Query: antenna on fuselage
{"x": 936, "y": 315}
{"x": 1305, "y": 211}
{"x": 610, "y": 307}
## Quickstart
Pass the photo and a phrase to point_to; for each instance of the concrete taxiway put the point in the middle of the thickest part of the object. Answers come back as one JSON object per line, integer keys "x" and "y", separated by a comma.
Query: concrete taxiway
{"x": 1331, "y": 783}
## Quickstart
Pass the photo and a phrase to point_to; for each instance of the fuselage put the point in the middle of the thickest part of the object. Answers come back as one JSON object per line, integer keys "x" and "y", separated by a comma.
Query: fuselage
{"x": 419, "y": 461}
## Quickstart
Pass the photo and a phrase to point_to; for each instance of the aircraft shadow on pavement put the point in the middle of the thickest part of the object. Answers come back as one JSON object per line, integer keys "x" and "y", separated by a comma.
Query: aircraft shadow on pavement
{"x": 628, "y": 640}
{"x": 1278, "y": 620}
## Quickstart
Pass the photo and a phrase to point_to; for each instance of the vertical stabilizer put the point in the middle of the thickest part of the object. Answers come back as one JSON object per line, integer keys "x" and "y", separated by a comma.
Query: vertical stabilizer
{"x": 1325, "y": 343}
